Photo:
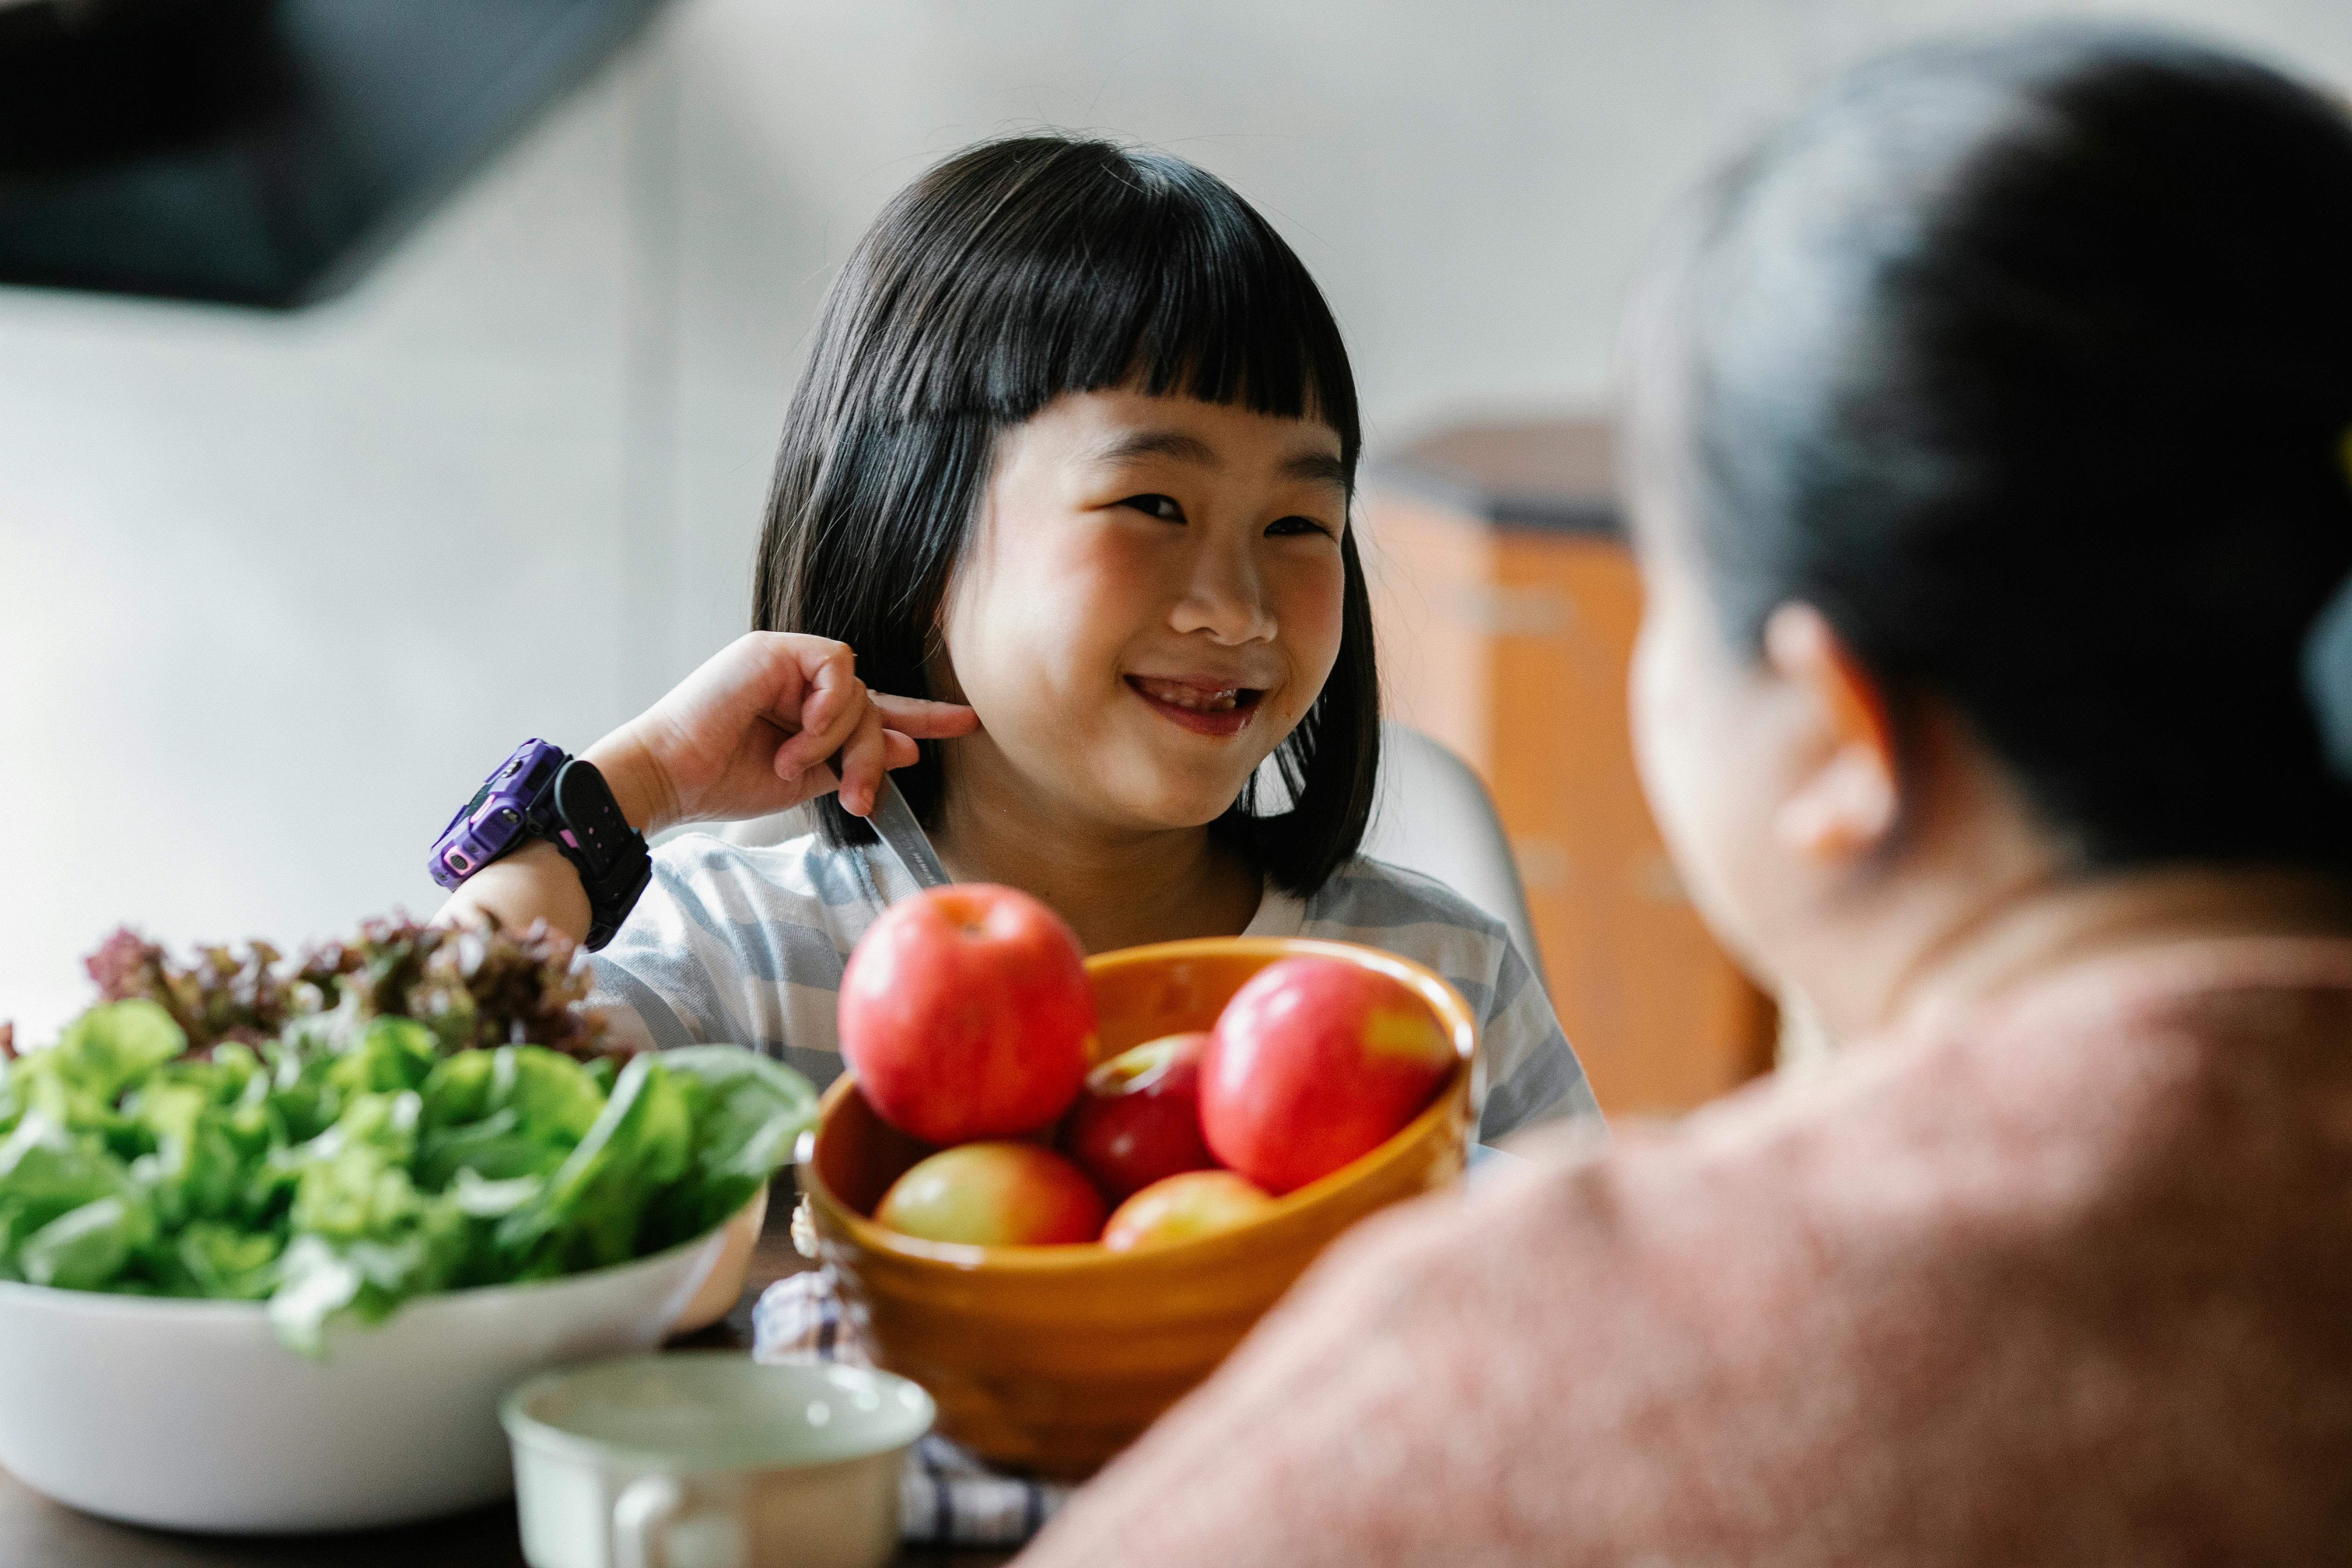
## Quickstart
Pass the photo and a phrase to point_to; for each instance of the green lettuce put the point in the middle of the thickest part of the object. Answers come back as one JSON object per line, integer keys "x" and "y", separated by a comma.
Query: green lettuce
{"x": 358, "y": 1161}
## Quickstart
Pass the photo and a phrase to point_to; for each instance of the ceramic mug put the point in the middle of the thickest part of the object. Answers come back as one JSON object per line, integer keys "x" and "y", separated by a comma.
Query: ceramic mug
{"x": 711, "y": 1459}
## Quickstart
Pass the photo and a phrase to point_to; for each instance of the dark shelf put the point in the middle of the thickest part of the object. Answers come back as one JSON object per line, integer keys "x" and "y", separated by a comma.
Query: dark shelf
{"x": 262, "y": 152}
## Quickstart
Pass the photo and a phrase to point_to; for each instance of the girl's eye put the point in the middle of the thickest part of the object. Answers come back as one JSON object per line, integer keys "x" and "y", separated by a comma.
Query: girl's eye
{"x": 1286, "y": 526}
{"x": 1161, "y": 507}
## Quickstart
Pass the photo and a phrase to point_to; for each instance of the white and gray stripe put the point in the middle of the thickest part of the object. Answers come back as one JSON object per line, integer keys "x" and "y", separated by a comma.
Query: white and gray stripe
{"x": 746, "y": 944}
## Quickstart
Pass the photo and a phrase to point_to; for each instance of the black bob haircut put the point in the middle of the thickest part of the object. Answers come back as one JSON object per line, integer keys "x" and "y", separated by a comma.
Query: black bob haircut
{"x": 1013, "y": 273}
{"x": 2028, "y": 363}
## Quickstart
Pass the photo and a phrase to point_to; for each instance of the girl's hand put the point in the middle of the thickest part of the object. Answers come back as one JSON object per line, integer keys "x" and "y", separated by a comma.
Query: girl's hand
{"x": 752, "y": 730}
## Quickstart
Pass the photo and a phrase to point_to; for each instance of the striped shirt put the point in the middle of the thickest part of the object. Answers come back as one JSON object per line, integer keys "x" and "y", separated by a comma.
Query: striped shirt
{"x": 746, "y": 945}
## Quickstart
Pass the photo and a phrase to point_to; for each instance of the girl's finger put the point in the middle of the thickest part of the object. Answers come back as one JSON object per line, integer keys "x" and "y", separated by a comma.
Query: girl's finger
{"x": 860, "y": 765}
{"x": 813, "y": 748}
{"x": 833, "y": 707}
{"x": 926, "y": 720}
{"x": 807, "y": 679}
{"x": 899, "y": 750}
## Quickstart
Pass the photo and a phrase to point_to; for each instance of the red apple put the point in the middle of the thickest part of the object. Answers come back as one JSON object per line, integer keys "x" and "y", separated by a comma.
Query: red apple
{"x": 1315, "y": 1062}
{"x": 1138, "y": 1117}
{"x": 1181, "y": 1208}
{"x": 993, "y": 1195}
{"x": 965, "y": 1014}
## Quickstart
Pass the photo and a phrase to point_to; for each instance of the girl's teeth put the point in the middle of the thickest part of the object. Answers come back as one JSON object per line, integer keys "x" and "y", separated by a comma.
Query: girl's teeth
{"x": 1194, "y": 700}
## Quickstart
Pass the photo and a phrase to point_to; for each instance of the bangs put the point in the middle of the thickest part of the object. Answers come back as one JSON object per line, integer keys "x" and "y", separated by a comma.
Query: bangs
{"x": 1086, "y": 267}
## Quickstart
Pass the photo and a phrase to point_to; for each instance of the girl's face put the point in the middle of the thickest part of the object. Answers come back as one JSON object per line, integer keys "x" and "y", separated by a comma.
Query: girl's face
{"x": 1150, "y": 602}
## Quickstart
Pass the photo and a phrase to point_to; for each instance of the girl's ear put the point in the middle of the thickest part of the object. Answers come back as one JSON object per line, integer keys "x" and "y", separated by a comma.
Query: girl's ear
{"x": 1847, "y": 794}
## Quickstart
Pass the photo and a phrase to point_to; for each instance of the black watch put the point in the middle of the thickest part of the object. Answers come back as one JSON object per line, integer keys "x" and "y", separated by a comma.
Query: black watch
{"x": 540, "y": 792}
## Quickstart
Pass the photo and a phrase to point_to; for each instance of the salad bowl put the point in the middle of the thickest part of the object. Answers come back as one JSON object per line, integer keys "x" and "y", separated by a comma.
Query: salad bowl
{"x": 192, "y": 1415}
{"x": 276, "y": 1236}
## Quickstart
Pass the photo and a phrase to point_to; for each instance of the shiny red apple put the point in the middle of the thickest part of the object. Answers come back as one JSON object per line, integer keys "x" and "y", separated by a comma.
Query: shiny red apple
{"x": 1313, "y": 1063}
{"x": 1183, "y": 1208}
{"x": 1139, "y": 1117}
{"x": 965, "y": 1014}
{"x": 993, "y": 1195}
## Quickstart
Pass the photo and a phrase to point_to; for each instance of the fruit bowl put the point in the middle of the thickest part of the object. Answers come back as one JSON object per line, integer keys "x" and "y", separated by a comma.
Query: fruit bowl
{"x": 1052, "y": 1359}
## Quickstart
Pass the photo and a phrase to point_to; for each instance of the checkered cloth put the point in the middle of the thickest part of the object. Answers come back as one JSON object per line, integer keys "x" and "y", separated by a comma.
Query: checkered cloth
{"x": 946, "y": 1496}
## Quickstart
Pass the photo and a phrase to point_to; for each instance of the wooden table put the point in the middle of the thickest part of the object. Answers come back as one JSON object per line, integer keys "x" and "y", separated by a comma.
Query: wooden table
{"x": 37, "y": 1533}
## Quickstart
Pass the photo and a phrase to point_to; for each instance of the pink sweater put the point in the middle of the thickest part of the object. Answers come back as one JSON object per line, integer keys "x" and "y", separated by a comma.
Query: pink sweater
{"x": 2070, "y": 1285}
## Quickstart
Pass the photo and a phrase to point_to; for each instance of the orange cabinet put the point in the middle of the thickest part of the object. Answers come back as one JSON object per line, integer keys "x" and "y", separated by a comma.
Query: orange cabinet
{"x": 1507, "y": 604}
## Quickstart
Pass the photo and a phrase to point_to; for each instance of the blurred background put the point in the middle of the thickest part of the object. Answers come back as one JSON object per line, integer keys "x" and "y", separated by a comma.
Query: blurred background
{"x": 278, "y": 586}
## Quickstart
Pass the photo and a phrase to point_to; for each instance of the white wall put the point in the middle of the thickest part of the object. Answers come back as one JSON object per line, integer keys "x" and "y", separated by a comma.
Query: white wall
{"x": 275, "y": 593}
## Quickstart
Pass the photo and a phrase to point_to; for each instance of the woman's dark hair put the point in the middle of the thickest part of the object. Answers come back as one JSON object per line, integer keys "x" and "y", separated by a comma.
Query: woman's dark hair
{"x": 2029, "y": 364}
{"x": 1011, "y": 274}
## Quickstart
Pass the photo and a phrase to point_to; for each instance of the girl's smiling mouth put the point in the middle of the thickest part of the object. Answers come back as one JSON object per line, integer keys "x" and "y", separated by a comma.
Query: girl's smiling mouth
{"x": 1199, "y": 706}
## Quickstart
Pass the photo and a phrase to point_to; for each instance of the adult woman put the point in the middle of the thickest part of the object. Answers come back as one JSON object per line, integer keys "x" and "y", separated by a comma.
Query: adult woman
{"x": 1995, "y": 490}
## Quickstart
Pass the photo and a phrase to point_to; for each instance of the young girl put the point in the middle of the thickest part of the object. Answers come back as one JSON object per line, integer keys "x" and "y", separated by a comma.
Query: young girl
{"x": 1060, "y": 532}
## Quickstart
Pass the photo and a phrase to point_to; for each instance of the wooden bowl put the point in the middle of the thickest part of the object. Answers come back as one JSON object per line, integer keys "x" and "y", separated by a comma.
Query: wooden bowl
{"x": 1052, "y": 1359}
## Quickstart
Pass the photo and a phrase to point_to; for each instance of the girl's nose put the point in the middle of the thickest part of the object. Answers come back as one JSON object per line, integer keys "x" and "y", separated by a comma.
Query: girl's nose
{"x": 1226, "y": 598}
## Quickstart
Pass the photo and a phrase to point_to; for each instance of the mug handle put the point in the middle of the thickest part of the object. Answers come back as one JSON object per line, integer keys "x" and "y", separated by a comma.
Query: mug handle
{"x": 642, "y": 1515}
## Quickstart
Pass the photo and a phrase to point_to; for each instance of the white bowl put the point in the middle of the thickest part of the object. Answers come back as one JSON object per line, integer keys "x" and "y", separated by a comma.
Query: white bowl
{"x": 190, "y": 1415}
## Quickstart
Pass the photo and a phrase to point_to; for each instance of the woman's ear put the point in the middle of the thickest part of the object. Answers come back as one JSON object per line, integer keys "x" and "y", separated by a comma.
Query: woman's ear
{"x": 1847, "y": 795}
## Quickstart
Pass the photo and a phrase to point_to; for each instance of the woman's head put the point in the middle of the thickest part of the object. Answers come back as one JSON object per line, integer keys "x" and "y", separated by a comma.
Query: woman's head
{"x": 1076, "y": 443}
{"x": 1993, "y": 414}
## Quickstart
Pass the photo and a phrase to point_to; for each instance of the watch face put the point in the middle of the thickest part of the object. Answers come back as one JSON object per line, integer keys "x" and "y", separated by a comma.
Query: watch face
{"x": 467, "y": 809}
{"x": 492, "y": 823}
